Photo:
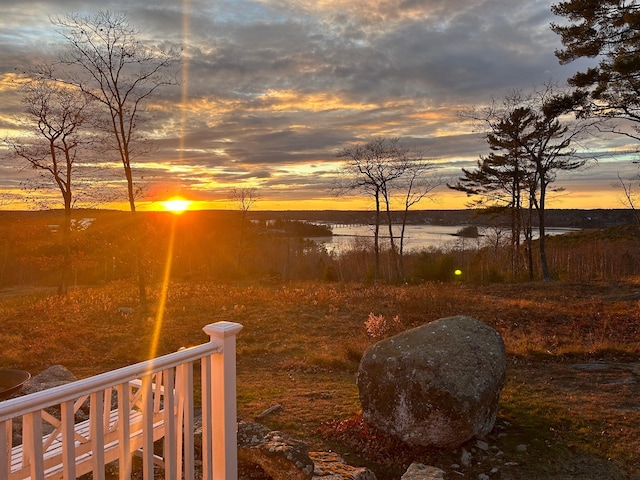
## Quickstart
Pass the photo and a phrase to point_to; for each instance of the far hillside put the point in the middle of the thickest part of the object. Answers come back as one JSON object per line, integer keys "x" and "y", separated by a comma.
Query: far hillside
{"x": 224, "y": 245}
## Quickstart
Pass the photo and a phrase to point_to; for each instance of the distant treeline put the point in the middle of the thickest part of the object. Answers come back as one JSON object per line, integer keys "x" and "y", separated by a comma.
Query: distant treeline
{"x": 560, "y": 218}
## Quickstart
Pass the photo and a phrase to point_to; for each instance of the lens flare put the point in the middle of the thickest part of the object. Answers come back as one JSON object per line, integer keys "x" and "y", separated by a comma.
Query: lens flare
{"x": 157, "y": 327}
{"x": 175, "y": 205}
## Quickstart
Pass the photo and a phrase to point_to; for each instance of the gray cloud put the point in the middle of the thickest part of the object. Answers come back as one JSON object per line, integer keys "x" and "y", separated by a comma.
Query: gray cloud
{"x": 276, "y": 87}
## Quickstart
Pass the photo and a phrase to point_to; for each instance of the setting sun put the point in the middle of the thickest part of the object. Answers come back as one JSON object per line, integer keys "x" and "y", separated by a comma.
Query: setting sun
{"x": 176, "y": 205}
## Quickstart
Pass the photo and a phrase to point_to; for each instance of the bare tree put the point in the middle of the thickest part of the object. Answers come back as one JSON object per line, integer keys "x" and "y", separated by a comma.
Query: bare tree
{"x": 417, "y": 183}
{"x": 387, "y": 171}
{"x": 107, "y": 61}
{"x": 369, "y": 169}
{"x": 552, "y": 149}
{"x": 630, "y": 200}
{"x": 54, "y": 117}
{"x": 244, "y": 198}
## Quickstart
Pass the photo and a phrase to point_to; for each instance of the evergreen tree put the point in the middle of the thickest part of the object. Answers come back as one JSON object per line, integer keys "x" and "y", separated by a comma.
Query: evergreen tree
{"x": 609, "y": 31}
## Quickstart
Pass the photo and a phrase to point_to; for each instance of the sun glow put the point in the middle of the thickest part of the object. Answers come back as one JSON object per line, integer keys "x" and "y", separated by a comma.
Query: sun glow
{"x": 176, "y": 205}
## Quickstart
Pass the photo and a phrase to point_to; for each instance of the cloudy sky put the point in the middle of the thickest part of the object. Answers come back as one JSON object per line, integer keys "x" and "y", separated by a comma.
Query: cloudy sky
{"x": 273, "y": 89}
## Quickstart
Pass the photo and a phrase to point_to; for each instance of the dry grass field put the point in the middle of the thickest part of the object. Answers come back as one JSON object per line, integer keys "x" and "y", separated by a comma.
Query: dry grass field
{"x": 570, "y": 408}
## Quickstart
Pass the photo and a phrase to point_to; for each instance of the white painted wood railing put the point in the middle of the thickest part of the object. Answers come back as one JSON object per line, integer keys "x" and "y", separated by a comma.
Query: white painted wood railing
{"x": 128, "y": 410}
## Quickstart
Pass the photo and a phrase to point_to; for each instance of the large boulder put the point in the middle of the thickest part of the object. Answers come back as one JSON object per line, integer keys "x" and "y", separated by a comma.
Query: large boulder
{"x": 435, "y": 385}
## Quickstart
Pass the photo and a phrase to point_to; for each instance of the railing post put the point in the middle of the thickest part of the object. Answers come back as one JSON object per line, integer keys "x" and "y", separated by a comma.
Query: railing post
{"x": 223, "y": 400}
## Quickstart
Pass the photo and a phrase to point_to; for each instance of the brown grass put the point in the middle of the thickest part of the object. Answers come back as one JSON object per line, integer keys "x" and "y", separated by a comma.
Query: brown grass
{"x": 302, "y": 342}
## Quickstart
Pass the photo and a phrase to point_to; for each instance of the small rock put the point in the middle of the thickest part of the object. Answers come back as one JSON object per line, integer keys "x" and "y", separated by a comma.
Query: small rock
{"x": 484, "y": 446}
{"x": 280, "y": 456}
{"x": 466, "y": 457}
{"x": 418, "y": 471}
{"x": 331, "y": 466}
{"x": 521, "y": 448}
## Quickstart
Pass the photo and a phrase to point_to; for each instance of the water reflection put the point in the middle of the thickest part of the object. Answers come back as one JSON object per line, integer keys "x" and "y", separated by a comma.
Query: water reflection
{"x": 417, "y": 237}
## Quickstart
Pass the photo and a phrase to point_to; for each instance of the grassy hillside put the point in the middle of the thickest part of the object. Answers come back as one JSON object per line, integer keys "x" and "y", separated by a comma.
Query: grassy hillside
{"x": 302, "y": 342}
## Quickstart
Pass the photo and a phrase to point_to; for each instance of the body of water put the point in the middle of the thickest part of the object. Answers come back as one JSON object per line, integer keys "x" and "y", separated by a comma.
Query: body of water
{"x": 416, "y": 237}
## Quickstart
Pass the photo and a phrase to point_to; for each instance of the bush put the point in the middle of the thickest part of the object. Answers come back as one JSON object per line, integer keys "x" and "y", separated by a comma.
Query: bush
{"x": 434, "y": 267}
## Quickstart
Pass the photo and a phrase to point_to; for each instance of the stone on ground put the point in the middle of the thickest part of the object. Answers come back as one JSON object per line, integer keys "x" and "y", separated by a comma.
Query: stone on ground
{"x": 279, "y": 455}
{"x": 434, "y": 385}
{"x": 49, "y": 378}
{"x": 418, "y": 471}
{"x": 331, "y": 466}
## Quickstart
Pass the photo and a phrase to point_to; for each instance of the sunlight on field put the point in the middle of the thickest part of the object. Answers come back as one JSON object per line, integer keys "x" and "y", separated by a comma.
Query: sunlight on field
{"x": 164, "y": 288}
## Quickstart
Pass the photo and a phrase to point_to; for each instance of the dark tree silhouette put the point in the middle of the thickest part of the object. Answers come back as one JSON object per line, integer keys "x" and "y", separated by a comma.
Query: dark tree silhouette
{"x": 381, "y": 169}
{"x": 531, "y": 129}
{"x": 608, "y": 31}
{"x": 107, "y": 60}
{"x": 55, "y": 115}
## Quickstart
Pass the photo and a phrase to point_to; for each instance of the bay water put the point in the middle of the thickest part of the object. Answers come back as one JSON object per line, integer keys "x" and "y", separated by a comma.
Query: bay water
{"x": 416, "y": 237}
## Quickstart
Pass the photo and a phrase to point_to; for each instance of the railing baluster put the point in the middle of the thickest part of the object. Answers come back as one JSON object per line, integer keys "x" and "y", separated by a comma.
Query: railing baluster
{"x": 67, "y": 421}
{"x": 32, "y": 444}
{"x": 96, "y": 432}
{"x": 180, "y": 375}
{"x": 124, "y": 433}
{"x": 157, "y": 396}
{"x": 188, "y": 427}
{"x": 6, "y": 435}
{"x": 108, "y": 393}
{"x": 147, "y": 427}
{"x": 170, "y": 451}
{"x": 207, "y": 414}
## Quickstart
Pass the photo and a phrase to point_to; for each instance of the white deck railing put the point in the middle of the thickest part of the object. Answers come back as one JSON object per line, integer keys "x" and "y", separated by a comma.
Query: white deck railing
{"x": 128, "y": 410}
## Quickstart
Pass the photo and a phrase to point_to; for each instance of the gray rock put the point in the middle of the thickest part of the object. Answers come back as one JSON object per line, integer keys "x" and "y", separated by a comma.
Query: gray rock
{"x": 279, "y": 455}
{"x": 418, "y": 471}
{"x": 283, "y": 458}
{"x": 435, "y": 385}
{"x": 331, "y": 466}
{"x": 482, "y": 445}
{"x": 466, "y": 457}
{"x": 49, "y": 378}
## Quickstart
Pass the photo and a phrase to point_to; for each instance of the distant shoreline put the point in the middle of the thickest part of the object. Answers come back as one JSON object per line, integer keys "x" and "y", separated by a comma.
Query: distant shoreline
{"x": 560, "y": 218}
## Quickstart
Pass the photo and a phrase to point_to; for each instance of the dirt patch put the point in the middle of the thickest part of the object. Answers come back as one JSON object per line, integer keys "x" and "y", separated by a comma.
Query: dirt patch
{"x": 23, "y": 291}
{"x": 573, "y": 400}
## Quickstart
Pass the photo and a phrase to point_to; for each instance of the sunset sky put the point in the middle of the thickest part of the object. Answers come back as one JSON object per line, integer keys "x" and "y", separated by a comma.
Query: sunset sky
{"x": 273, "y": 89}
